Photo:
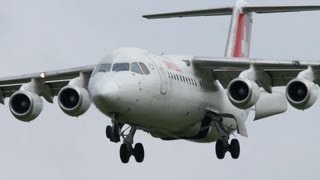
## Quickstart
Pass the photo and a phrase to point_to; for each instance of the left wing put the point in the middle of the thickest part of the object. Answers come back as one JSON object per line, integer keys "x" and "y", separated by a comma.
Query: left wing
{"x": 55, "y": 80}
{"x": 280, "y": 71}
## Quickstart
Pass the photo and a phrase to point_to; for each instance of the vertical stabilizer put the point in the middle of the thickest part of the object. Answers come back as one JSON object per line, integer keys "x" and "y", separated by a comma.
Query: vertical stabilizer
{"x": 238, "y": 44}
{"x": 239, "y": 38}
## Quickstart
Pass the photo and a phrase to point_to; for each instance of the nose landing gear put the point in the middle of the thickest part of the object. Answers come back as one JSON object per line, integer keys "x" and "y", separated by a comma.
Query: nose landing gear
{"x": 114, "y": 132}
{"x": 222, "y": 146}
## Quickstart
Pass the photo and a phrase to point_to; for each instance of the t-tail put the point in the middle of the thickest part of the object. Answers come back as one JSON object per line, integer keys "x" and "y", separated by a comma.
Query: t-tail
{"x": 238, "y": 44}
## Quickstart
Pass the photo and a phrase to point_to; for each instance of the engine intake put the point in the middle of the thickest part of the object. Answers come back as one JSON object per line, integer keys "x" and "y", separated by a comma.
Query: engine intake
{"x": 243, "y": 93}
{"x": 74, "y": 100}
{"x": 301, "y": 93}
{"x": 25, "y": 106}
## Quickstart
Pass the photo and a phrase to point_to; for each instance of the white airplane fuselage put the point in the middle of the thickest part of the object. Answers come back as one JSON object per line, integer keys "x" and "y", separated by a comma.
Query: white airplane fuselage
{"x": 170, "y": 102}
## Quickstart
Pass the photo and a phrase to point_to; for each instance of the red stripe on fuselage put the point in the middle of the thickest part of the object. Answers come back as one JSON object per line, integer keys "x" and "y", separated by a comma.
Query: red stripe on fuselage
{"x": 240, "y": 35}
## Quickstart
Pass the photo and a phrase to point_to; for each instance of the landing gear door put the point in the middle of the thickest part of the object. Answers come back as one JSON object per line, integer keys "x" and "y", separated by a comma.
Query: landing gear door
{"x": 162, "y": 73}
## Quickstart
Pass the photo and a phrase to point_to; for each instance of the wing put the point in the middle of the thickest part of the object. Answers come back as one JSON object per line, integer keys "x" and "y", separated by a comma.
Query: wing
{"x": 54, "y": 79}
{"x": 280, "y": 71}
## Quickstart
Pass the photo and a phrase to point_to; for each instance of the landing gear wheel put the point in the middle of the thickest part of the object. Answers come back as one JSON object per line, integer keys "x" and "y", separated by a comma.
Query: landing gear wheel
{"x": 125, "y": 153}
{"x": 116, "y": 134}
{"x": 235, "y": 148}
{"x": 138, "y": 152}
{"x": 126, "y": 149}
{"x": 109, "y": 132}
{"x": 220, "y": 149}
{"x": 113, "y": 133}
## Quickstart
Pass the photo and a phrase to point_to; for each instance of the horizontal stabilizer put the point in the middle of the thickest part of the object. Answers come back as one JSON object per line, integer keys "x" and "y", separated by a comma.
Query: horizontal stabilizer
{"x": 228, "y": 11}
{"x": 203, "y": 12}
{"x": 280, "y": 9}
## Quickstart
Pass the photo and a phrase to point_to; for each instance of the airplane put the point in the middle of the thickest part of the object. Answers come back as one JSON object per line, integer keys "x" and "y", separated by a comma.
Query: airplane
{"x": 175, "y": 97}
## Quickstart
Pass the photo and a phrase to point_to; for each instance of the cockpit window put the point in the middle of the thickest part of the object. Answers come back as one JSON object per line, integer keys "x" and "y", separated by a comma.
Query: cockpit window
{"x": 120, "y": 67}
{"x": 136, "y": 68}
{"x": 144, "y": 68}
{"x": 105, "y": 67}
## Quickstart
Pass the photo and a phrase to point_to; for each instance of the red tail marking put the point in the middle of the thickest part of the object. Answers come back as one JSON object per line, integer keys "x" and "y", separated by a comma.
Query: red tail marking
{"x": 238, "y": 51}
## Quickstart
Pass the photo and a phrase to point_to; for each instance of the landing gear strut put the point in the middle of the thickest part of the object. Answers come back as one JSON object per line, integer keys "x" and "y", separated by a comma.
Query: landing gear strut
{"x": 222, "y": 146}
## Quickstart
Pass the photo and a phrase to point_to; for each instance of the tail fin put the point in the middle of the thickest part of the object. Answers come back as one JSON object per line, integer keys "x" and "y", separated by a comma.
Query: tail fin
{"x": 238, "y": 44}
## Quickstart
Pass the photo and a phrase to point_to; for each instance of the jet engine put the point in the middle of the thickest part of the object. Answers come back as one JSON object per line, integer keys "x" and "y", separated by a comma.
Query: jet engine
{"x": 74, "y": 100}
{"x": 25, "y": 106}
{"x": 243, "y": 93}
{"x": 301, "y": 93}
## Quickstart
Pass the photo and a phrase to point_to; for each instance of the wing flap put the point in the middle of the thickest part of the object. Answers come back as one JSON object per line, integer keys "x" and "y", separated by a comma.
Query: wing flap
{"x": 263, "y": 108}
{"x": 278, "y": 77}
{"x": 55, "y": 86}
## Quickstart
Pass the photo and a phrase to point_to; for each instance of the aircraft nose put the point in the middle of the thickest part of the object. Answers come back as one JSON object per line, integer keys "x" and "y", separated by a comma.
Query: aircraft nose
{"x": 105, "y": 96}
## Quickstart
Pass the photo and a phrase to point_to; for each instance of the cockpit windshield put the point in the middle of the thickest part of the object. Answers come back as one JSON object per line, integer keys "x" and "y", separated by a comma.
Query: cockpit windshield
{"x": 105, "y": 67}
{"x": 144, "y": 68}
{"x": 120, "y": 67}
{"x": 136, "y": 68}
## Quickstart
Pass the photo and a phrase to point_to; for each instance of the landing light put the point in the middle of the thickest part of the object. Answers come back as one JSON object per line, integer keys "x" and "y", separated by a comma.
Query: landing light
{"x": 43, "y": 75}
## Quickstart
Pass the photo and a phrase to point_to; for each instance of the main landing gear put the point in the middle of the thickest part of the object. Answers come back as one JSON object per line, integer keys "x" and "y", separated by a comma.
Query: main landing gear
{"x": 222, "y": 146}
{"x": 127, "y": 150}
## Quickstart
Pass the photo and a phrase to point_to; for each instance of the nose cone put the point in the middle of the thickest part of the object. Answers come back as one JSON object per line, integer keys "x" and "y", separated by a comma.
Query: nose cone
{"x": 105, "y": 95}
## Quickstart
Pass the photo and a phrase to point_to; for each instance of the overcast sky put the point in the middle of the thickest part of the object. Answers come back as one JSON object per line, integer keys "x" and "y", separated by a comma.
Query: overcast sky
{"x": 39, "y": 35}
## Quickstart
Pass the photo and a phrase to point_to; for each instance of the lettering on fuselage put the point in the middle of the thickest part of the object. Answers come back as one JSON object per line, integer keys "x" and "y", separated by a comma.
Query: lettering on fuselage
{"x": 176, "y": 73}
{"x": 172, "y": 66}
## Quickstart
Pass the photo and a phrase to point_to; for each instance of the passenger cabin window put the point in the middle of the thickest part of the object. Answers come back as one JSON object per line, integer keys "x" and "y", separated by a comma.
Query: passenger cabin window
{"x": 105, "y": 67}
{"x": 120, "y": 67}
{"x": 144, "y": 68}
{"x": 136, "y": 68}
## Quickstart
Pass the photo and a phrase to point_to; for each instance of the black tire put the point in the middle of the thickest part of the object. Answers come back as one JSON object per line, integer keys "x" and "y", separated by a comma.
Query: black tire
{"x": 138, "y": 152}
{"x": 235, "y": 148}
{"x": 115, "y": 134}
{"x": 220, "y": 149}
{"x": 109, "y": 132}
{"x": 124, "y": 153}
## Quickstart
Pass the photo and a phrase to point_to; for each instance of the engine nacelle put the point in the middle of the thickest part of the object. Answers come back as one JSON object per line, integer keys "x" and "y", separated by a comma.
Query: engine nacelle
{"x": 25, "y": 106}
{"x": 243, "y": 93}
{"x": 74, "y": 100}
{"x": 301, "y": 93}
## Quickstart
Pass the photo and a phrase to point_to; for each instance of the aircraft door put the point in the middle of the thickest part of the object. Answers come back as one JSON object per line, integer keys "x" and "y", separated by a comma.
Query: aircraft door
{"x": 162, "y": 73}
